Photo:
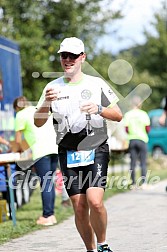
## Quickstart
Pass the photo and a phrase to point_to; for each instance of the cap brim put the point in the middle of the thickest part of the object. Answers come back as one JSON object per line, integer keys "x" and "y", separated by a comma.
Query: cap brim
{"x": 70, "y": 51}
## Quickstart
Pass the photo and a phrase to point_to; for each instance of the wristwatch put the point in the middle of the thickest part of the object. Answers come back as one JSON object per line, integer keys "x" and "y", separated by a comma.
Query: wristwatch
{"x": 100, "y": 108}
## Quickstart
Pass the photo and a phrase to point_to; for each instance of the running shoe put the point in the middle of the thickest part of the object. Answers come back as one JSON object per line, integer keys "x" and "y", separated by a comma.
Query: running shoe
{"x": 49, "y": 221}
{"x": 104, "y": 248}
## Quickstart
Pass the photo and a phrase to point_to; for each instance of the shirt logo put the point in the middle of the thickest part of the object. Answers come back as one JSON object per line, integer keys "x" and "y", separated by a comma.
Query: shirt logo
{"x": 63, "y": 97}
{"x": 99, "y": 171}
{"x": 86, "y": 94}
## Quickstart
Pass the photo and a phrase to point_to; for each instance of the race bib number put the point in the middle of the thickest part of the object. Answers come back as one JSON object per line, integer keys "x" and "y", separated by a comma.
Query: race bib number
{"x": 80, "y": 158}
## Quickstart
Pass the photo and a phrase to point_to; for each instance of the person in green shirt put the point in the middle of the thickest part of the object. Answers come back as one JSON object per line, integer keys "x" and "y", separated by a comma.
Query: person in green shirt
{"x": 137, "y": 123}
{"x": 44, "y": 152}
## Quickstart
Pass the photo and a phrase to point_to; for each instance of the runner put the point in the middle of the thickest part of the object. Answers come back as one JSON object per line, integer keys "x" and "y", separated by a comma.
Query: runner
{"x": 80, "y": 103}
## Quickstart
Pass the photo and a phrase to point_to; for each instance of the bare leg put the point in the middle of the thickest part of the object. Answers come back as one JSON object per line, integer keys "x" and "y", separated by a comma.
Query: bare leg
{"x": 98, "y": 214}
{"x": 82, "y": 220}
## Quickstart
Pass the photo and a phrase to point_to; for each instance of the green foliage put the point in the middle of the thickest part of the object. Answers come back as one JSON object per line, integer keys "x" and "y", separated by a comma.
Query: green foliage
{"x": 149, "y": 63}
{"x": 40, "y": 26}
{"x": 153, "y": 58}
{"x": 21, "y": 21}
{"x": 154, "y": 52}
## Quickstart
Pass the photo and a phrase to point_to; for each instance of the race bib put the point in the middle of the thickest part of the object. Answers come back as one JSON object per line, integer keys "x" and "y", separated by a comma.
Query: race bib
{"x": 80, "y": 158}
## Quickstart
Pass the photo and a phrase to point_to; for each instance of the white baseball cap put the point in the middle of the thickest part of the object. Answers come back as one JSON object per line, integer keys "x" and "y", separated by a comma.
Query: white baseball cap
{"x": 72, "y": 45}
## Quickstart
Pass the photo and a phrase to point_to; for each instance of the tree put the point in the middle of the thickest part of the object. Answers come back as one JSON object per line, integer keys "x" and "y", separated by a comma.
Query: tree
{"x": 21, "y": 21}
{"x": 153, "y": 56}
{"x": 149, "y": 63}
{"x": 39, "y": 26}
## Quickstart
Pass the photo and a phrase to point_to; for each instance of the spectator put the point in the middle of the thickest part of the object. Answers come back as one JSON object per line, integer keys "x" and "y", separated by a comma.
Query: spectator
{"x": 137, "y": 124}
{"x": 44, "y": 151}
{"x": 162, "y": 119}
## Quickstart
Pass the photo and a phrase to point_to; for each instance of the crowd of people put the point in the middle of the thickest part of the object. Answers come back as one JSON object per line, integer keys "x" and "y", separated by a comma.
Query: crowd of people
{"x": 70, "y": 126}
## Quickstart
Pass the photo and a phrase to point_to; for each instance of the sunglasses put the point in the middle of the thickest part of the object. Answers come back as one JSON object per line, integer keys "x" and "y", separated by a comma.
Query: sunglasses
{"x": 72, "y": 56}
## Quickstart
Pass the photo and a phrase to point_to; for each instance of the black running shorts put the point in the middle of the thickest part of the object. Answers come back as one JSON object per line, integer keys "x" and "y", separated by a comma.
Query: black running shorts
{"x": 78, "y": 179}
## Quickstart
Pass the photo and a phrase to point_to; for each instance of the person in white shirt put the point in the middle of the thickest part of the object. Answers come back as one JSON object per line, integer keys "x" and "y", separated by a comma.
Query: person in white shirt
{"x": 80, "y": 104}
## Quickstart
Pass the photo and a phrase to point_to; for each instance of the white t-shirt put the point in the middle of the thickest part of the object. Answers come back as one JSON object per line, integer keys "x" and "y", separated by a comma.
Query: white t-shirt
{"x": 66, "y": 109}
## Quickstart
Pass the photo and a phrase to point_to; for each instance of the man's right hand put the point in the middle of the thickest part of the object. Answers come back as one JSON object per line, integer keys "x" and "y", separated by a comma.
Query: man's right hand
{"x": 52, "y": 94}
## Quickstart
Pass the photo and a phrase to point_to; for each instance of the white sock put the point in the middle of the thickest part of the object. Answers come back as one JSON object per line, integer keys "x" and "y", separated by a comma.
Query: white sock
{"x": 101, "y": 243}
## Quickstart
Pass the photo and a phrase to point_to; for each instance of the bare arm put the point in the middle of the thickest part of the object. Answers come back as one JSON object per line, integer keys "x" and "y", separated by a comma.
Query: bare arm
{"x": 18, "y": 137}
{"x": 42, "y": 113}
{"x": 4, "y": 141}
{"x": 18, "y": 140}
{"x": 113, "y": 113}
{"x": 162, "y": 118}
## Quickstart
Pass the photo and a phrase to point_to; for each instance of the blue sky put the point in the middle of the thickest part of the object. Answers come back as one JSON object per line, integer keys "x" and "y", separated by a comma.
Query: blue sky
{"x": 137, "y": 16}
